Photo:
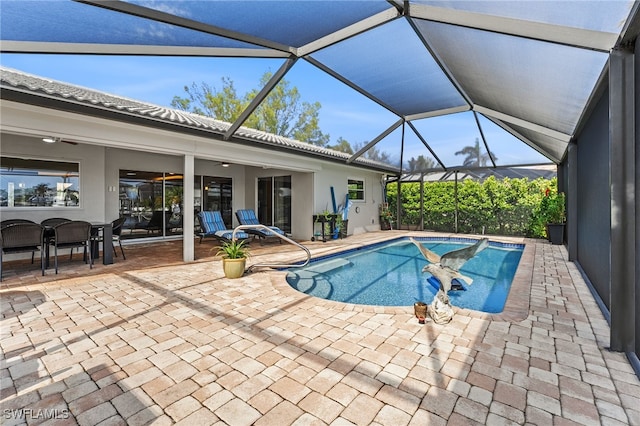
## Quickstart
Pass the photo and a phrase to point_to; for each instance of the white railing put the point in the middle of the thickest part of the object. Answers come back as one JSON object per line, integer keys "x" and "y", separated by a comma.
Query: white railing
{"x": 282, "y": 237}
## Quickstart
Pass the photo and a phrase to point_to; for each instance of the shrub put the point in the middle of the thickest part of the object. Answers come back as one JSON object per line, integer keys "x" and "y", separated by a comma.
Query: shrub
{"x": 505, "y": 207}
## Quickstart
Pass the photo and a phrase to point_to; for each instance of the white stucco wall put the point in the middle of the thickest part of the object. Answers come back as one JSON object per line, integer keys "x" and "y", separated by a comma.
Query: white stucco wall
{"x": 363, "y": 215}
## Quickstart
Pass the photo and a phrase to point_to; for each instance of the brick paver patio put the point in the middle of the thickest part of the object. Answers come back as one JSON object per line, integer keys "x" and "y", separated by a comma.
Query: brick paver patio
{"x": 152, "y": 340}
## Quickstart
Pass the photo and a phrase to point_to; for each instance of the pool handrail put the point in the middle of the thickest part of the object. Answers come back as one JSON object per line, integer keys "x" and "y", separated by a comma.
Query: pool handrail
{"x": 282, "y": 237}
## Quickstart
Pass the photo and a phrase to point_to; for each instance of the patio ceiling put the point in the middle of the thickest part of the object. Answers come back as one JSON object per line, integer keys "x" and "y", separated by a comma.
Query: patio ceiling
{"x": 525, "y": 69}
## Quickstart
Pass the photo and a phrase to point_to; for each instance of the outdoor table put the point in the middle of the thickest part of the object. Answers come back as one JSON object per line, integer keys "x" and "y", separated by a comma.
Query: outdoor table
{"x": 107, "y": 242}
{"x": 96, "y": 228}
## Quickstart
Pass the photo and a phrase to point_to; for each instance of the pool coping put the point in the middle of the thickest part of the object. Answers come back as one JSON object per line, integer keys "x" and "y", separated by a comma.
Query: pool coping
{"x": 516, "y": 306}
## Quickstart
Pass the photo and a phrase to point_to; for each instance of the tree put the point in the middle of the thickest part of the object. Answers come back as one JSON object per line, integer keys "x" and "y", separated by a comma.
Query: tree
{"x": 282, "y": 112}
{"x": 373, "y": 153}
{"x": 420, "y": 164}
{"x": 474, "y": 156}
{"x": 342, "y": 145}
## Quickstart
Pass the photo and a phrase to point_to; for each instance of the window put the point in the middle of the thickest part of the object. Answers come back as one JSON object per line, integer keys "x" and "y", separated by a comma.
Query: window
{"x": 39, "y": 183}
{"x": 356, "y": 189}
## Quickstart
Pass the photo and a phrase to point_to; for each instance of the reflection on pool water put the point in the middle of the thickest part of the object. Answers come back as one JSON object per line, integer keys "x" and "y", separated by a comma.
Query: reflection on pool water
{"x": 390, "y": 274}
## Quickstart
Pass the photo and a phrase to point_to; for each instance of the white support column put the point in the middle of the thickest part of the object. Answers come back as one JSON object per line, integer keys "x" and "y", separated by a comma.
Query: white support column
{"x": 189, "y": 208}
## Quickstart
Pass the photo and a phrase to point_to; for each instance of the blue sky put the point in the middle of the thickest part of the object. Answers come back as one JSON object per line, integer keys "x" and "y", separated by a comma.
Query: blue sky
{"x": 344, "y": 113}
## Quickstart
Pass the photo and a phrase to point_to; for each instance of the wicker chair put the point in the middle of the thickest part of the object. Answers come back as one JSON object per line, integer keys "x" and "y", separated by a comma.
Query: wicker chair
{"x": 53, "y": 221}
{"x": 8, "y": 222}
{"x": 22, "y": 238}
{"x": 72, "y": 234}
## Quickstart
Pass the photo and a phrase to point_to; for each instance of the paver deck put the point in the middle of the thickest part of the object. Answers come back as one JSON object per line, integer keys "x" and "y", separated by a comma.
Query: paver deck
{"x": 152, "y": 340}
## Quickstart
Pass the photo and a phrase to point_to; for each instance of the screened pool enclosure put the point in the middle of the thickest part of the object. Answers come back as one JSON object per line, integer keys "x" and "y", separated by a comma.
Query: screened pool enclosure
{"x": 505, "y": 83}
{"x": 513, "y": 77}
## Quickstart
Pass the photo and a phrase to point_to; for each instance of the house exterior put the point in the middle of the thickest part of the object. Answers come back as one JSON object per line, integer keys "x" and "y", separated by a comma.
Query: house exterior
{"x": 124, "y": 157}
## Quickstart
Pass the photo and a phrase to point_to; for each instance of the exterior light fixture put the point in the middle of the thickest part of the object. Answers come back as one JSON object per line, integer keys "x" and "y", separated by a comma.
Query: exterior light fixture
{"x": 225, "y": 164}
{"x": 50, "y": 139}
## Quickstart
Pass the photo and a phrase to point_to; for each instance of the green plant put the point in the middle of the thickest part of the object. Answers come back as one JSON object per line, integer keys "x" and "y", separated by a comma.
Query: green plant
{"x": 494, "y": 206}
{"x": 386, "y": 214}
{"x": 552, "y": 207}
{"x": 339, "y": 222}
{"x": 325, "y": 218}
{"x": 234, "y": 249}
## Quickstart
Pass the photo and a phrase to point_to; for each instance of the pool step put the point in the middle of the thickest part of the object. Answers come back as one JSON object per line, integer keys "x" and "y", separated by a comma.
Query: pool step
{"x": 312, "y": 278}
{"x": 329, "y": 265}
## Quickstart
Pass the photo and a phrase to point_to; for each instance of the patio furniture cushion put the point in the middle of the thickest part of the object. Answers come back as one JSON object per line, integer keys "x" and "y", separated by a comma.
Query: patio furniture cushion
{"x": 248, "y": 217}
{"x": 212, "y": 224}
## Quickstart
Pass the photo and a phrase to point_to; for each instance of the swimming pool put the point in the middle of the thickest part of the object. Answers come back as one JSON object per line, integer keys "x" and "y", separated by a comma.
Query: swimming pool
{"x": 390, "y": 274}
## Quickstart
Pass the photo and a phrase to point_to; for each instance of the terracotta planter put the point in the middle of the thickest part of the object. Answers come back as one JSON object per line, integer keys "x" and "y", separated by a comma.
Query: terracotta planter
{"x": 233, "y": 268}
{"x": 420, "y": 311}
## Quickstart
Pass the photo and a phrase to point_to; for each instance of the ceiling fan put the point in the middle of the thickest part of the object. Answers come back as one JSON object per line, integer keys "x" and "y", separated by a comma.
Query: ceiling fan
{"x": 53, "y": 139}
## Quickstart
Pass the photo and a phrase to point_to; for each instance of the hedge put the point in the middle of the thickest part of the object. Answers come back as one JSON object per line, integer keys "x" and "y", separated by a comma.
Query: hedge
{"x": 499, "y": 207}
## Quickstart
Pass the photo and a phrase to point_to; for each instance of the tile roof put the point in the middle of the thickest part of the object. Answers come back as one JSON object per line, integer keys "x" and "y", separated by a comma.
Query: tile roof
{"x": 11, "y": 79}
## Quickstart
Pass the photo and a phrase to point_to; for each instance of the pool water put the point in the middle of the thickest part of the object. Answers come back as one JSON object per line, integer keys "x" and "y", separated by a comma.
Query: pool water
{"x": 390, "y": 274}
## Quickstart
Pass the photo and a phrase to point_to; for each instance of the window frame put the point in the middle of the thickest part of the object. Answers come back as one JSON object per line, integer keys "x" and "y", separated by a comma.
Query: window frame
{"x": 363, "y": 191}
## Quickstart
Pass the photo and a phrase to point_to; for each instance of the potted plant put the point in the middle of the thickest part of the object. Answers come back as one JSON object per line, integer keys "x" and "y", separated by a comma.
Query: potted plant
{"x": 234, "y": 257}
{"x": 554, "y": 212}
{"x": 386, "y": 218}
{"x": 327, "y": 221}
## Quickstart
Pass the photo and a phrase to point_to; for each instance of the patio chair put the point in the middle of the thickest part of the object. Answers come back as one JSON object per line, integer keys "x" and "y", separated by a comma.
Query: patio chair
{"x": 116, "y": 232}
{"x": 248, "y": 217}
{"x": 72, "y": 234}
{"x": 22, "y": 237}
{"x": 159, "y": 219}
{"x": 212, "y": 225}
{"x": 53, "y": 221}
{"x": 8, "y": 222}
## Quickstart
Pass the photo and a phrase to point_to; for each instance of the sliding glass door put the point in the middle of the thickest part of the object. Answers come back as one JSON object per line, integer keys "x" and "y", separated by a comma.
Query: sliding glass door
{"x": 151, "y": 202}
{"x": 217, "y": 196}
{"x": 274, "y": 201}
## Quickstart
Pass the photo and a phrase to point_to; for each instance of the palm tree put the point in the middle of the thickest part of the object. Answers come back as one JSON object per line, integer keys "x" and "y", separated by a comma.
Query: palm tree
{"x": 474, "y": 156}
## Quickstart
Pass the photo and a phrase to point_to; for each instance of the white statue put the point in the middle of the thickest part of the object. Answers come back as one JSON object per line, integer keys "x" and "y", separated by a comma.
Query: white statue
{"x": 445, "y": 269}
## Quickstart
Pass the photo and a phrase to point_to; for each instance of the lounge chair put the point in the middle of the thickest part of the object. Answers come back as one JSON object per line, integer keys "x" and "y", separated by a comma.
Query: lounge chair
{"x": 212, "y": 225}
{"x": 248, "y": 217}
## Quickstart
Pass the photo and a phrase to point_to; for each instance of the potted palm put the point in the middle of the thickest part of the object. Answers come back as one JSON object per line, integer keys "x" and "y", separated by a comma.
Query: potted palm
{"x": 554, "y": 210}
{"x": 234, "y": 257}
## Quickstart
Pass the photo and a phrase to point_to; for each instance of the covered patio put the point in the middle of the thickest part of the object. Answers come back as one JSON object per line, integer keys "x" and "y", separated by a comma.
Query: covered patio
{"x": 155, "y": 340}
